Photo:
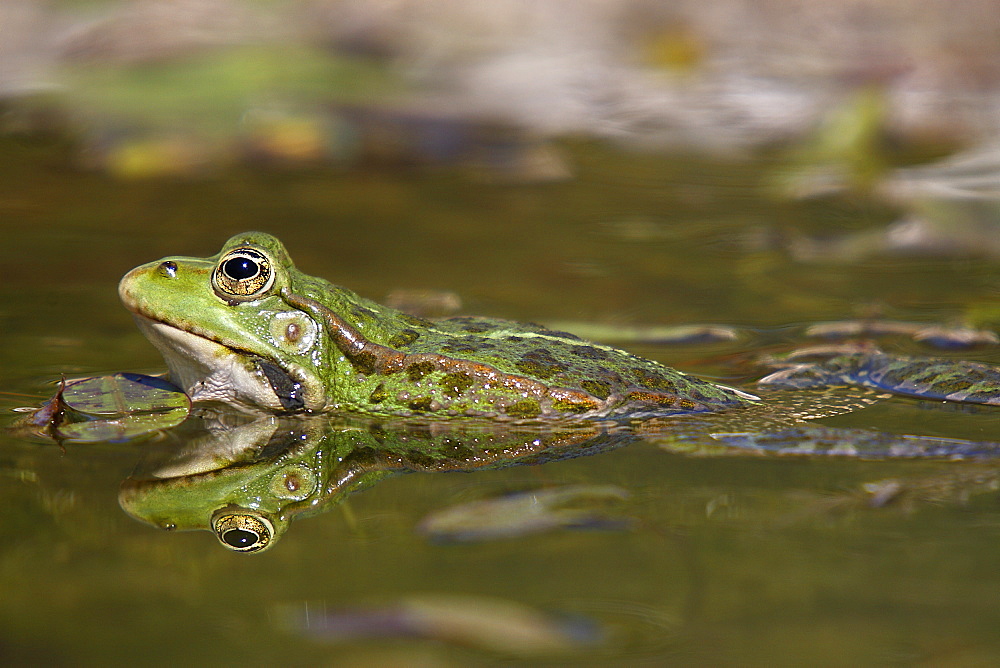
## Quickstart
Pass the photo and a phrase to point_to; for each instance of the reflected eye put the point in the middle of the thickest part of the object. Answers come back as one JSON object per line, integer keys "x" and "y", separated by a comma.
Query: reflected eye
{"x": 243, "y": 532}
{"x": 242, "y": 274}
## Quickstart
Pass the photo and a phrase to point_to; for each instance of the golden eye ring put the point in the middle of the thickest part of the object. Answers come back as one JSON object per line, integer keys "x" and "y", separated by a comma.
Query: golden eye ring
{"x": 243, "y": 531}
{"x": 243, "y": 274}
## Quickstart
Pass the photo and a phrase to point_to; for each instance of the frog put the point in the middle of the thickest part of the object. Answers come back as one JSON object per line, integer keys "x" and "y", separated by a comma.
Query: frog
{"x": 246, "y": 329}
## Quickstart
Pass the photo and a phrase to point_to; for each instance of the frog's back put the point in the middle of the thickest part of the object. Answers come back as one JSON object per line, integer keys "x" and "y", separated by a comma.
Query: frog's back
{"x": 485, "y": 366}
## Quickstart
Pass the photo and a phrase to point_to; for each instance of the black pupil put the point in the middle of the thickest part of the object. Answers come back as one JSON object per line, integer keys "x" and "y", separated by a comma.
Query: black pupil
{"x": 240, "y": 268}
{"x": 239, "y": 538}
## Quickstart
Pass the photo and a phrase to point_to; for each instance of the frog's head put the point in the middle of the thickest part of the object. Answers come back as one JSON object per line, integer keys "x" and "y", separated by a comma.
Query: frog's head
{"x": 225, "y": 330}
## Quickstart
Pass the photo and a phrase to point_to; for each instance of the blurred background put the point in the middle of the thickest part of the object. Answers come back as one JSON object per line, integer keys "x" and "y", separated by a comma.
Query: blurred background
{"x": 760, "y": 166}
{"x": 158, "y": 85}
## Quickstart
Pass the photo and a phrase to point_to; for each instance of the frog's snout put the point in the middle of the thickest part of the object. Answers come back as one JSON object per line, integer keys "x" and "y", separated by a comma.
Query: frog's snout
{"x": 135, "y": 283}
{"x": 126, "y": 287}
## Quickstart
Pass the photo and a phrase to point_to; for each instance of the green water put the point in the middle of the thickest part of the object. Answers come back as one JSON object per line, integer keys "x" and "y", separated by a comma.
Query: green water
{"x": 732, "y": 561}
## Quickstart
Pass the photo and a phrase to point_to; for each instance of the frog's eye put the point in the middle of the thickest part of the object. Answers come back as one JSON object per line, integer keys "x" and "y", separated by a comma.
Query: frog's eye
{"x": 242, "y": 274}
{"x": 243, "y": 531}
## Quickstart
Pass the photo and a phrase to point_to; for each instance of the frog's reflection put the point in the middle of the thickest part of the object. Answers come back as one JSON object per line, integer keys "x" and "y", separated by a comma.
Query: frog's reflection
{"x": 246, "y": 482}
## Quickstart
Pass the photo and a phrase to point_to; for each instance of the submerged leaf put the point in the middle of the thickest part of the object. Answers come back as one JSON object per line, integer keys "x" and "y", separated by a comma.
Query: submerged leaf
{"x": 490, "y": 624}
{"x": 663, "y": 335}
{"x": 956, "y": 337}
{"x": 868, "y": 328}
{"x": 523, "y": 513}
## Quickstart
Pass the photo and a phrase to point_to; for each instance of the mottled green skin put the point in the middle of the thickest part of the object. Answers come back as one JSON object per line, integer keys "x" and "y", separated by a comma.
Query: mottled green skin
{"x": 481, "y": 366}
{"x": 923, "y": 377}
{"x": 365, "y": 357}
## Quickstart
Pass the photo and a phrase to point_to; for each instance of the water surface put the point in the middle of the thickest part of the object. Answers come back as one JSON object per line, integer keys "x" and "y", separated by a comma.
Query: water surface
{"x": 729, "y": 560}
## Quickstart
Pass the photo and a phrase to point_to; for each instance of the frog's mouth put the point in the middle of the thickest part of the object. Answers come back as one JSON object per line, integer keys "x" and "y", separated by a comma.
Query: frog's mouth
{"x": 210, "y": 371}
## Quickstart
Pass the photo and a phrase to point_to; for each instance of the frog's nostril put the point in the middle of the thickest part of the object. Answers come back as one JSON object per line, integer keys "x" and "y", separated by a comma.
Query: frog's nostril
{"x": 168, "y": 269}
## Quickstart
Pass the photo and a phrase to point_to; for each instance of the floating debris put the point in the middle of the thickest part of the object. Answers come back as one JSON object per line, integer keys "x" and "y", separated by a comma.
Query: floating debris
{"x": 818, "y": 353}
{"x": 424, "y": 303}
{"x": 938, "y": 336}
{"x": 651, "y": 334}
{"x": 882, "y": 492}
{"x": 843, "y": 329}
{"x": 524, "y": 513}
{"x": 491, "y": 624}
{"x": 956, "y": 337}
{"x": 953, "y": 486}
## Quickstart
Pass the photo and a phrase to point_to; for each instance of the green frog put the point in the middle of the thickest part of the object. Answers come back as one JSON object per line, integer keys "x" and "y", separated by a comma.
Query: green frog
{"x": 245, "y": 328}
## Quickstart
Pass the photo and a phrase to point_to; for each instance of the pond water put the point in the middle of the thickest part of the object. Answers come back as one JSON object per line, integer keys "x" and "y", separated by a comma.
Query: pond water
{"x": 670, "y": 558}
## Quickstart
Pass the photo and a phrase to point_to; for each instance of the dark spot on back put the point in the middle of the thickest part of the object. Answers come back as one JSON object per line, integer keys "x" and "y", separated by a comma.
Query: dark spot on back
{"x": 418, "y": 370}
{"x": 654, "y": 380}
{"x": 403, "y": 338}
{"x": 598, "y": 388}
{"x": 378, "y": 395}
{"x": 422, "y": 404}
{"x": 589, "y": 352}
{"x": 454, "y": 384}
{"x": 540, "y": 363}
